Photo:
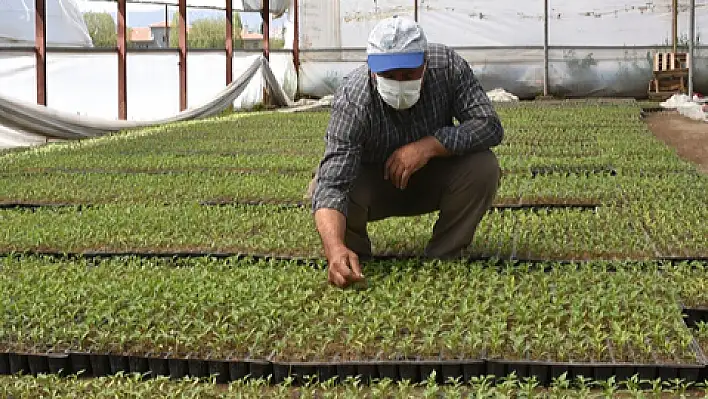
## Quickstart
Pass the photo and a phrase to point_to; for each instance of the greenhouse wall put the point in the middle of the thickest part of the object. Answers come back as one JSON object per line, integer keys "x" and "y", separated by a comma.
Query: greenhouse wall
{"x": 595, "y": 48}
{"x": 573, "y": 71}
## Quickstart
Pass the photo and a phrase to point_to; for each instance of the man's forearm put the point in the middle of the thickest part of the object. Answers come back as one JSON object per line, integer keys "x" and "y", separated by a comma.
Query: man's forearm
{"x": 472, "y": 135}
{"x": 433, "y": 147}
{"x": 331, "y": 224}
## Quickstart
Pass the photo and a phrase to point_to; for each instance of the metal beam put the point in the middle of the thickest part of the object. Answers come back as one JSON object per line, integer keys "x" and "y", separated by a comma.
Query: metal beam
{"x": 265, "y": 16}
{"x": 674, "y": 25}
{"x": 545, "y": 48}
{"x": 182, "y": 55}
{"x": 40, "y": 49}
{"x": 296, "y": 37}
{"x": 122, "y": 66}
{"x": 415, "y": 10}
{"x": 229, "y": 42}
{"x": 691, "y": 45}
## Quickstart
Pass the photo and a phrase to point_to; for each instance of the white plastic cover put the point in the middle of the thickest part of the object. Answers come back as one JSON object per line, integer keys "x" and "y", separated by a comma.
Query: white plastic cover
{"x": 87, "y": 84}
{"x": 35, "y": 119}
{"x": 24, "y": 123}
{"x": 502, "y": 22}
{"x": 501, "y": 95}
{"x": 65, "y": 24}
{"x": 10, "y": 138}
{"x": 578, "y": 30}
{"x": 691, "y": 108}
{"x": 277, "y": 7}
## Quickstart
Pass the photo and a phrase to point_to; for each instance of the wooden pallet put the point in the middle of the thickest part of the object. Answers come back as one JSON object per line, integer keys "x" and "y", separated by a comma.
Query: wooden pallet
{"x": 670, "y": 61}
{"x": 670, "y": 75}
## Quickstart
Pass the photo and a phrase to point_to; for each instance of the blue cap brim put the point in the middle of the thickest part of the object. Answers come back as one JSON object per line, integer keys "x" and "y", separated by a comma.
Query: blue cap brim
{"x": 386, "y": 62}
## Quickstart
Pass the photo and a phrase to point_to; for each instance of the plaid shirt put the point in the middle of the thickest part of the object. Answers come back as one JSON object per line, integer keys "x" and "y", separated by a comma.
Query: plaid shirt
{"x": 364, "y": 129}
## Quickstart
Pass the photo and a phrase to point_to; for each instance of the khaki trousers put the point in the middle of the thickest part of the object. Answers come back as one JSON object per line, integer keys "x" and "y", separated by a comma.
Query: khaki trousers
{"x": 462, "y": 188}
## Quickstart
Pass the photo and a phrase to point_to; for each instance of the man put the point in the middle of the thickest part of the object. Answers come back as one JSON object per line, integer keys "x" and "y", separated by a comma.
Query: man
{"x": 392, "y": 149}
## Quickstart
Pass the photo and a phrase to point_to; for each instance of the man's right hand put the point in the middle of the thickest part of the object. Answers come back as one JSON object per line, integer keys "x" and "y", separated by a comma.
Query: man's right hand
{"x": 343, "y": 267}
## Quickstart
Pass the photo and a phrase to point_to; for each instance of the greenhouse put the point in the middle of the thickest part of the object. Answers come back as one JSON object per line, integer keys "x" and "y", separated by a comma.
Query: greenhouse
{"x": 164, "y": 166}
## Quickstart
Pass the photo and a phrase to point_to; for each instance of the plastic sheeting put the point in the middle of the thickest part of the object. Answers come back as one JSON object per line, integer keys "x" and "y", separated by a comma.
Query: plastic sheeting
{"x": 65, "y": 24}
{"x": 277, "y": 7}
{"x": 39, "y": 120}
{"x": 598, "y": 48}
{"x": 86, "y": 84}
{"x": 693, "y": 108}
{"x": 573, "y": 72}
{"x": 501, "y": 95}
{"x": 10, "y": 138}
{"x": 23, "y": 123}
{"x": 509, "y": 23}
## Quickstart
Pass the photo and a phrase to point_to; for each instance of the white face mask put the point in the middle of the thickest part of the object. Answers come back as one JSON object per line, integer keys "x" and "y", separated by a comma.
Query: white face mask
{"x": 399, "y": 95}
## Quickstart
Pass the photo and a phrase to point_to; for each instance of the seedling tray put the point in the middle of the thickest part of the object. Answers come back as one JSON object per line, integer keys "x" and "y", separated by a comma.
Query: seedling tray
{"x": 226, "y": 370}
{"x": 572, "y": 170}
{"x": 546, "y": 371}
{"x": 33, "y": 206}
{"x": 284, "y": 204}
{"x": 491, "y": 260}
{"x": 160, "y": 171}
{"x": 692, "y": 316}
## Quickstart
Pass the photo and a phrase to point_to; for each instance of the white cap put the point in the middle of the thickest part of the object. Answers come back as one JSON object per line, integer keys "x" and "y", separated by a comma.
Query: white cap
{"x": 396, "y": 43}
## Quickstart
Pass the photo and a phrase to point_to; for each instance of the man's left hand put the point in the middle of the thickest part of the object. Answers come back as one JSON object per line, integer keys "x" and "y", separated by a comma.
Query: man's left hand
{"x": 405, "y": 161}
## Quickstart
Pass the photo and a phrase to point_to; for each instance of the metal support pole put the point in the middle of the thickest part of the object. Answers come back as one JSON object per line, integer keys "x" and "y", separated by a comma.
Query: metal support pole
{"x": 40, "y": 49}
{"x": 122, "y": 63}
{"x": 229, "y": 42}
{"x": 182, "y": 55}
{"x": 674, "y": 25}
{"x": 265, "y": 16}
{"x": 691, "y": 45}
{"x": 415, "y": 10}
{"x": 296, "y": 37}
{"x": 545, "y": 48}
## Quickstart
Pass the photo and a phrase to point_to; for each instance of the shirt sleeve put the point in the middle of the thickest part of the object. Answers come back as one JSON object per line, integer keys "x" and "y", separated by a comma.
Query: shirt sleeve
{"x": 480, "y": 127}
{"x": 340, "y": 164}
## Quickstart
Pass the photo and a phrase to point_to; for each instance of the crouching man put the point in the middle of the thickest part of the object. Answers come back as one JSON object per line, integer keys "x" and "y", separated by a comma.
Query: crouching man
{"x": 393, "y": 149}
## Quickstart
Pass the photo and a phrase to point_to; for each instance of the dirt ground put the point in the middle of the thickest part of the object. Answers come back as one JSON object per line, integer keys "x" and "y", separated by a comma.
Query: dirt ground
{"x": 689, "y": 137}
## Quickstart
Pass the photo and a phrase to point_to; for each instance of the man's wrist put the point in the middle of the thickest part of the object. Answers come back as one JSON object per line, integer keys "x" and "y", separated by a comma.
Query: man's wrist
{"x": 331, "y": 225}
{"x": 432, "y": 148}
{"x": 334, "y": 247}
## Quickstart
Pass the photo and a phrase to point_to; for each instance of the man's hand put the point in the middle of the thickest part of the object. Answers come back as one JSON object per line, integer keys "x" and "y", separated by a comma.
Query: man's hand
{"x": 405, "y": 161}
{"x": 343, "y": 264}
{"x": 410, "y": 158}
{"x": 343, "y": 267}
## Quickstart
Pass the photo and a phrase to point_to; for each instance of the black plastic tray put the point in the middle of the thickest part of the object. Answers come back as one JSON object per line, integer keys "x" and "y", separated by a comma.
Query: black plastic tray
{"x": 545, "y": 372}
{"x": 226, "y": 370}
{"x": 494, "y": 259}
{"x": 601, "y": 170}
{"x": 284, "y": 205}
{"x": 694, "y": 315}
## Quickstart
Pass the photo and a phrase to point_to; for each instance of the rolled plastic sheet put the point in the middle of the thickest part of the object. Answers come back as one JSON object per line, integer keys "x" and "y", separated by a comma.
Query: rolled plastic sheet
{"x": 39, "y": 120}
